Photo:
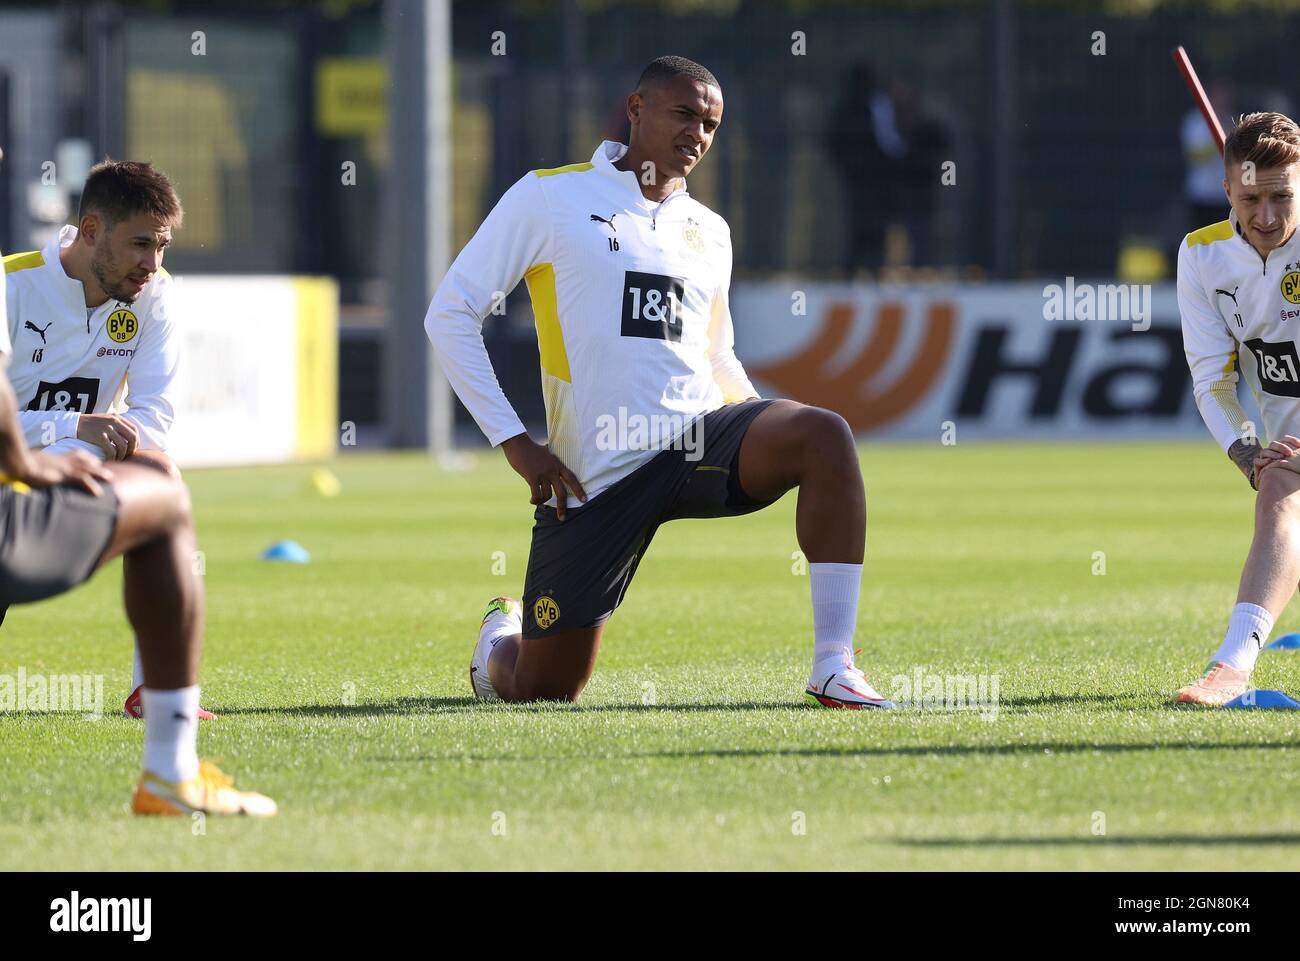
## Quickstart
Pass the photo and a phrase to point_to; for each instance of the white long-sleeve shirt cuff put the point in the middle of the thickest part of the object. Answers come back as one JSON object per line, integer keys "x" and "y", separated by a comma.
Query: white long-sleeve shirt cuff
{"x": 35, "y": 431}
{"x": 731, "y": 377}
{"x": 1222, "y": 413}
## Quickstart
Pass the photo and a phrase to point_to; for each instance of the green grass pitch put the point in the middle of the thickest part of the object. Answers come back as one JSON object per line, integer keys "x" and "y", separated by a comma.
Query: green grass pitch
{"x": 342, "y": 690}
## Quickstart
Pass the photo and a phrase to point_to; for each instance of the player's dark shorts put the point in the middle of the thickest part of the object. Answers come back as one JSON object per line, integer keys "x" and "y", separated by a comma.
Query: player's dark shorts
{"x": 51, "y": 540}
{"x": 579, "y": 570}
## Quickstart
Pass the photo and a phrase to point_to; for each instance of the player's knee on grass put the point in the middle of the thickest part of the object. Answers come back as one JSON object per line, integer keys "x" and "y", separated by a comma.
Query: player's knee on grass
{"x": 555, "y": 692}
{"x": 556, "y": 668}
{"x": 1278, "y": 501}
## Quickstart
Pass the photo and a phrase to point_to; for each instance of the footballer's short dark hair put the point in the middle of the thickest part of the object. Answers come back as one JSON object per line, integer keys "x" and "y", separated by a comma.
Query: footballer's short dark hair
{"x": 119, "y": 189}
{"x": 666, "y": 68}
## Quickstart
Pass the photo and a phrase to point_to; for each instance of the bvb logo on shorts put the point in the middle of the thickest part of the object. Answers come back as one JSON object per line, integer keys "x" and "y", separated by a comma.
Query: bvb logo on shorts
{"x": 1291, "y": 287}
{"x": 122, "y": 325}
{"x": 546, "y": 612}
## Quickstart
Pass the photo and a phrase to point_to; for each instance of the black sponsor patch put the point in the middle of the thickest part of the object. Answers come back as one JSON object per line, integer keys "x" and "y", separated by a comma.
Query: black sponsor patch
{"x": 76, "y": 393}
{"x": 1279, "y": 367}
{"x": 652, "y": 306}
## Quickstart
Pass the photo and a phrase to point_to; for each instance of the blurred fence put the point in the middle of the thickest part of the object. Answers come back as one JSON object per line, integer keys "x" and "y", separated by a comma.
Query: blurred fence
{"x": 1060, "y": 123}
{"x": 256, "y": 118}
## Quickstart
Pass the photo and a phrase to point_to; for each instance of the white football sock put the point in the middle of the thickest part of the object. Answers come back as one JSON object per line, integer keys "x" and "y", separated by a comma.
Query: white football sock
{"x": 1248, "y": 630}
{"x": 137, "y": 668}
{"x": 494, "y": 629}
{"x": 171, "y": 724}
{"x": 835, "y": 614}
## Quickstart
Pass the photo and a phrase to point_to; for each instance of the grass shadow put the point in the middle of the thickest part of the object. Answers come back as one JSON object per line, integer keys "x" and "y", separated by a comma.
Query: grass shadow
{"x": 1179, "y": 840}
{"x": 902, "y": 751}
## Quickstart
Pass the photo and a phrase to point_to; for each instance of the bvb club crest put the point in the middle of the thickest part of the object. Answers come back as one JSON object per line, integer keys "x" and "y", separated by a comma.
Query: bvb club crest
{"x": 546, "y": 612}
{"x": 693, "y": 235}
{"x": 122, "y": 325}
{"x": 1291, "y": 287}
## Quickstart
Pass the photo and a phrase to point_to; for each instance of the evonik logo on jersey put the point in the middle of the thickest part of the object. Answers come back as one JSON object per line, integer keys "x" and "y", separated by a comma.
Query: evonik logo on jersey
{"x": 115, "y": 352}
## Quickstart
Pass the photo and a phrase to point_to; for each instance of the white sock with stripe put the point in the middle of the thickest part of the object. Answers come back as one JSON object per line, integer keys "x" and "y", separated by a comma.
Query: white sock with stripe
{"x": 835, "y": 613}
{"x": 1248, "y": 630}
{"x": 171, "y": 726}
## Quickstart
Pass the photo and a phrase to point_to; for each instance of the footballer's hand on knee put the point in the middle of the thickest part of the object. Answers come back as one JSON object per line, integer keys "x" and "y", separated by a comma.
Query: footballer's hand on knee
{"x": 78, "y": 469}
{"x": 544, "y": 472}
{"x": 1285, "y": 449}
{"x": 116, "y": 436}
{"x": 1261, "y": 461}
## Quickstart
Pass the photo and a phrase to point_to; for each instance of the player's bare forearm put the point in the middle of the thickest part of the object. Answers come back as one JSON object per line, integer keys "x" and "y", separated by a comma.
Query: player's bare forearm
{"x": 1243, "y": 455}
{"x": 14, "y": 455}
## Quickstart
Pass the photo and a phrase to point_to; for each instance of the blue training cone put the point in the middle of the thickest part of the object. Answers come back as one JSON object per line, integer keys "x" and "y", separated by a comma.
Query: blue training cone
{"x": 1264, "y": 701}
{"x": 1286, "y": 642}
{"x": 290, "y": 551}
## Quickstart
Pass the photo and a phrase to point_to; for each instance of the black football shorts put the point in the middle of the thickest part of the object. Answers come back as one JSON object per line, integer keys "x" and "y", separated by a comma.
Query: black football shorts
{"x": 579, "y": 569}
{"x": 51, "y": 540}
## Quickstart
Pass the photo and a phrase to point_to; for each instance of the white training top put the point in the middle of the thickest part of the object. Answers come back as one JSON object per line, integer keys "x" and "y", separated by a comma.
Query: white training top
{"x": 69, "y": 359}
{"x": 1241, "y": 313}
{"x": 630, "y": 299}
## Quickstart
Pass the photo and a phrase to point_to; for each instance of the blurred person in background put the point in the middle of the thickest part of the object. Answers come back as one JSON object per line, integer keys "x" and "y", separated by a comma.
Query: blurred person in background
{"x": 926, "y": 146}
{"x": 867, "y": 148}
{"x": 1203, "y": 180}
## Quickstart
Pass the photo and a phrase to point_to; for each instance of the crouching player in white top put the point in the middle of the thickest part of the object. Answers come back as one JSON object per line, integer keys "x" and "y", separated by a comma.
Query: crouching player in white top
{"x": 629, "y": 277}
{"x": 63, "y": 516}
{"x": 1239, "y": 296}
{"x": 89, "y": 318}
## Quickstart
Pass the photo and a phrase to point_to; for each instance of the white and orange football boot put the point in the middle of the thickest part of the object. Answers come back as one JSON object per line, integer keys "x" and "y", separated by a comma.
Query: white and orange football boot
{"x": 504, "y": 616}
{"x": 134, "y": 707}
{"x": 209, "y": 792}
{"x": 846, "y": 686}
{"x": 1216, "y": 687}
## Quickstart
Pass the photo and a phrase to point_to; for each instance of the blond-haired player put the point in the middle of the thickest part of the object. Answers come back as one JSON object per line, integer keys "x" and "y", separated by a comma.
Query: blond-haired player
{"x": 1239, "y": 297}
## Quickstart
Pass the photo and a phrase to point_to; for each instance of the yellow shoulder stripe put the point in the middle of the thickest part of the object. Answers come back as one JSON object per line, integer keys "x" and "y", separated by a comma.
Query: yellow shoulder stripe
{"x": 570, "y": 169}
{"x": 1208, "y": 235}
{"x": 17, "y": 262}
